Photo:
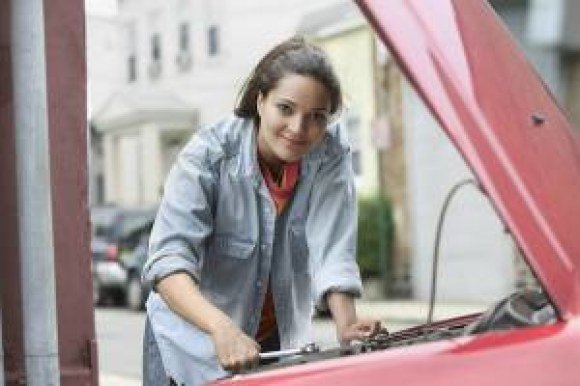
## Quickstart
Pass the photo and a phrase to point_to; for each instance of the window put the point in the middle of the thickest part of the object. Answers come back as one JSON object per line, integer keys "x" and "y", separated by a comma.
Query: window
{"x": 132, "y": 68}
{"x": 155, "y": 65}
{"x": 184, "y": 37}
{"x": 183, "y": 58}
{"x": 213, "y": 40}
{"x": 156, "y": 47}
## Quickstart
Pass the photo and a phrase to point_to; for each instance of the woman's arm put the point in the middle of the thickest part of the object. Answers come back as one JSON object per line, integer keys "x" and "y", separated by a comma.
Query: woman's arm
{"x": 235, "y": 350}
{"x": 348, "y": 326}
{"x": 184, "y": 222}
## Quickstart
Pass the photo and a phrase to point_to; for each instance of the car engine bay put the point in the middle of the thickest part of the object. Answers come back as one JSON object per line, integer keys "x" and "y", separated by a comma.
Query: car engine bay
{"x": 525, "y": 308}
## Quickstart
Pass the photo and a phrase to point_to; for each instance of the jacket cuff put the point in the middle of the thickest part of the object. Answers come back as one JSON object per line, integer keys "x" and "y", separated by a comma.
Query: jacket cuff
{"x": 352, "y": 288}
{"x": 163, "y": 266}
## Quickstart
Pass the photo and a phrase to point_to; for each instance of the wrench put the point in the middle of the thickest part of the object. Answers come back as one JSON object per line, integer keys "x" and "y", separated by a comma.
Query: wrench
{"x": 308, "y": 349}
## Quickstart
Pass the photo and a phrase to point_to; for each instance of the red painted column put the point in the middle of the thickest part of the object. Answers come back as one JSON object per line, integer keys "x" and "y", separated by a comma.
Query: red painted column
{"x": 10, "y": 289}
{"x": 66, "y": 89}
{"x": 66, "y": 99}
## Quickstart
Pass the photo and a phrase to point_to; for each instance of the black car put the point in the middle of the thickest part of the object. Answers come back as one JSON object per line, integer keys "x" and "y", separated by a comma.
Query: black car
{"x": 116, "y": 234}
{"x": 136, "y": 292}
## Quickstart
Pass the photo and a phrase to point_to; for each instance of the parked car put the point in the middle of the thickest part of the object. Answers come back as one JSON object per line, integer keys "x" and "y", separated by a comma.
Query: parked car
{"x": 526, "y": 158}
{"x": 116, "y": 234}
{"x": 136, "y": 291}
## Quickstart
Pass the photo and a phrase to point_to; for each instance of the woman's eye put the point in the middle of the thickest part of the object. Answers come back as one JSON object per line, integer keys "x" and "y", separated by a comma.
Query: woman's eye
{"x": 285, "y": 109}
{"x": 321, "y": 118}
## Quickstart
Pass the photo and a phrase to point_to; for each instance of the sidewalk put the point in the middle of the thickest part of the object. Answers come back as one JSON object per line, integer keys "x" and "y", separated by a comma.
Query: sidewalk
{"x": 413, "y": 311}
{"x": 117, "y": 380}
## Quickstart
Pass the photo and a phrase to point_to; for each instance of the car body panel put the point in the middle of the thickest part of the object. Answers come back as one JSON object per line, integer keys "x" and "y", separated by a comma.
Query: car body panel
{"x": 110, "y": 274}
{"x": 518, "y": 357}
{"x": 503, "y": 120}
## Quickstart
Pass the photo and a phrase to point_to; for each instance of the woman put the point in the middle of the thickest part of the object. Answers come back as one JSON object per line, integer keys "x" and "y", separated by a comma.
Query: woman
{"x": 257, "y": 223}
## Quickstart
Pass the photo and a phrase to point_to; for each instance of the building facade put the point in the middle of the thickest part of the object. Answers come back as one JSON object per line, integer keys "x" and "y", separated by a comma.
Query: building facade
{"x": 350, "y": 43}
{"x": 181, "y": 58}
{"x": 165, "y": 68}
{"x": 373, "y": 117}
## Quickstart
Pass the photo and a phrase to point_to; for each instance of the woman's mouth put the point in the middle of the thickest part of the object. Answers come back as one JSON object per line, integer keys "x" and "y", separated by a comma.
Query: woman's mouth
{"x": 292, "y": 142}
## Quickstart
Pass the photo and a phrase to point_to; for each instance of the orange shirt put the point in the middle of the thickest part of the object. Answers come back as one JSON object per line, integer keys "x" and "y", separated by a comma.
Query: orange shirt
{"x": 281, "y": 194}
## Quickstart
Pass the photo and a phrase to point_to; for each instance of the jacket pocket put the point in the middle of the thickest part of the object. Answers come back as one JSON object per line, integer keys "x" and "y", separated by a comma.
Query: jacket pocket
{"x": 228, "y": 271}
{"x": 228, "y": 246}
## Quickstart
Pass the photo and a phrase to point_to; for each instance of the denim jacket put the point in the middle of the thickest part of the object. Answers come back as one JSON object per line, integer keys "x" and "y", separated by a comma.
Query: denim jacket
{"x": 218, "y": 223}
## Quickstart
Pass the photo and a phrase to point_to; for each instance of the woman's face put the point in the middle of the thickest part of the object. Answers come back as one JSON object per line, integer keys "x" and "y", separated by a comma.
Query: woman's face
{"x": 293, "y": 118}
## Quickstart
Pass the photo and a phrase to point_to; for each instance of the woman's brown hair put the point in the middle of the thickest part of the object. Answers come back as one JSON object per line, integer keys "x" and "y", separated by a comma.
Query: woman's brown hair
{"x": 292, "y": 56}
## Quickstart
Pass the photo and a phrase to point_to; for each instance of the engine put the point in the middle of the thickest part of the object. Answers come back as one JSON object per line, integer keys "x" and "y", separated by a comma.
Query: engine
{"x": 522, "y": 309}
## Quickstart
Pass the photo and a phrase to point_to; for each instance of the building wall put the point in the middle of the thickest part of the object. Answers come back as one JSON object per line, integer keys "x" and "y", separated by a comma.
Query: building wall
{"x": 133, "y": 167}
{"x": 352, "y": 55}
{"x": 151, "y": 164}
{"x": 477, "y": 259}
{"x": 210, "y": 83}
{"x": 130, "y": 177}
{"x": 106, "y": 54}
{"x": 572, "y": 100}
{"x": 107, "y": 45}
{"x": 393, "y": 170}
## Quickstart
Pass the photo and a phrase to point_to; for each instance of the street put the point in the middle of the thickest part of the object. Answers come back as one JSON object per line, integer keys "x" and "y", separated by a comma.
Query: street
{"x": 119, "y": 334}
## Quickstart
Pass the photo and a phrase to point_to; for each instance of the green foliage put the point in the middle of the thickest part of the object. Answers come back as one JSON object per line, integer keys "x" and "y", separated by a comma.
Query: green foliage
{"x": 375, "y": 236}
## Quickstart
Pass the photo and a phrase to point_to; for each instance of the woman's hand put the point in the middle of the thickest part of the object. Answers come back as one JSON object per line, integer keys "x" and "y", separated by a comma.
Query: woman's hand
{"x": 348, "y": 326}
{"x": 359, "y": 330}
{"x": 235, "y": 350}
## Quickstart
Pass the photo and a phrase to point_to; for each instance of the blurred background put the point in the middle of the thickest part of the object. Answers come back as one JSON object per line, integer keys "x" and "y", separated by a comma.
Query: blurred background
{"x": 158, "y": 71}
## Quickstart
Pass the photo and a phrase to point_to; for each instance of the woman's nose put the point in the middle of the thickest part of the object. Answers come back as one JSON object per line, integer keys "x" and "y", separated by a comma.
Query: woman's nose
{"x": 298, "y": 124}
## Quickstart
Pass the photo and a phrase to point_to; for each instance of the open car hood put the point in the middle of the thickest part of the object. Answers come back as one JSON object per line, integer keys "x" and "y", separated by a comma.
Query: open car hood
{"x": 504, "y": 121}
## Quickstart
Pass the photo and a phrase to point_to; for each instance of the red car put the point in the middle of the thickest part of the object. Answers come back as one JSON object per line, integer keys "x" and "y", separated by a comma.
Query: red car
{"x": 526, "y": 157}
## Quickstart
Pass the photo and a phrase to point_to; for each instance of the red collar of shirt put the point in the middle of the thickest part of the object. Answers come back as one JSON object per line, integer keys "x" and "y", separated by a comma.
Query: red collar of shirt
{"x": 283, "y": 192}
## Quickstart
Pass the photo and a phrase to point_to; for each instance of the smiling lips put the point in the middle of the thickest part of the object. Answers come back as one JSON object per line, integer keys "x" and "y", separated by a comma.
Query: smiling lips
{"x": 294, "y": 142}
